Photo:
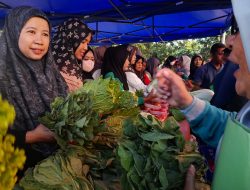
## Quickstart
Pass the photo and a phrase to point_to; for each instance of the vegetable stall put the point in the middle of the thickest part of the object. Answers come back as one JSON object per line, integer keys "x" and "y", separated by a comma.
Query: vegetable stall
{"x": 106, "y": 142}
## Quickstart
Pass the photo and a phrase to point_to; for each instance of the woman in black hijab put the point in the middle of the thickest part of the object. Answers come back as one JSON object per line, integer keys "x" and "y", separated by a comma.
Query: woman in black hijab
{"x": 113, "y": 64}
{"x": 69, "y": 45}
{"x": 29, "y": 79}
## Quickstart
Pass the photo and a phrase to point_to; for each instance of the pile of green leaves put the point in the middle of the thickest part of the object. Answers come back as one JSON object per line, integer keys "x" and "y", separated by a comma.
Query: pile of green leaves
{"x": 152, "y": 155}
{"x": 108, "y": 96}
{"x": 74, "y": 168}
{"x": 98, "y": 108}
{"x": 64, "y": 170}
{"x": 114, "y": 139}
{"x": 72, "y": 119}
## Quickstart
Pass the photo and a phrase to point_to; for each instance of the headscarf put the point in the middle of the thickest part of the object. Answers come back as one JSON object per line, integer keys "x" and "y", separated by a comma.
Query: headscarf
{"x": 87, "y": 75}
{"x": 29, "y": 85}
{"x": 186, "y": 64}
{"x": 168, "y": 63}
{"x": 64, "y": 44}
{"x": 152, "y": 63}
{"x": 114, "y": 59}
{"x": 99, "y": 56}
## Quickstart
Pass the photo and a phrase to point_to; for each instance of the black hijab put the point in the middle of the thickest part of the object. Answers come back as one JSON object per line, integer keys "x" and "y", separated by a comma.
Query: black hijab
{"x": 29, "y": 85}
{"x": 87, "y": 75}
{"x": 114, "y": 59}
{"x": 65, "y": 42}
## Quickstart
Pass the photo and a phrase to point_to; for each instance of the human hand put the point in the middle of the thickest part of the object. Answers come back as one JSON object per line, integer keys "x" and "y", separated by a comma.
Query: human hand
{"x": 189, "y": 85}
{"x": 190, "y": 178}
{"x": 180, "y": 73}
{"x": 172, "y": 88}
{"x": 155, "y": 105}
{"x": 40, "y": 134}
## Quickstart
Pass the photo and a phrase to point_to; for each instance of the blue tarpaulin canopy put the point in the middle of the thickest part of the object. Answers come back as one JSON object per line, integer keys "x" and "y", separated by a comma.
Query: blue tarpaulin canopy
{"x": 133, "y": 21}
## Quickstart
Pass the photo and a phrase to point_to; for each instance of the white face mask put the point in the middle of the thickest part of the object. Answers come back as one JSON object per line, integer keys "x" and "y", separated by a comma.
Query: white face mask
{"x": 87, "y": 65}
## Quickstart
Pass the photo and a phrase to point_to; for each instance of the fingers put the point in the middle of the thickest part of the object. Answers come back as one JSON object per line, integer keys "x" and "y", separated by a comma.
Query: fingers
{"x": 190, "y": 178}
{"x": 152, "y": 106}
{"x": 165, "y": 94}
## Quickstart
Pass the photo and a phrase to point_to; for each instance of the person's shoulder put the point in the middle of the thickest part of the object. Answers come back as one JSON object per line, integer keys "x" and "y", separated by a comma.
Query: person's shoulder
{"x": 109, "y": 75}
{"x": 206, "y": 67}
{"x": 130, "y": 74}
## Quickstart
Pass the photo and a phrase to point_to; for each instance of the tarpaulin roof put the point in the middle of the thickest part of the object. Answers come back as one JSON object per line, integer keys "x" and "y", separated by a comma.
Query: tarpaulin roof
{"x": 133, "y": 21}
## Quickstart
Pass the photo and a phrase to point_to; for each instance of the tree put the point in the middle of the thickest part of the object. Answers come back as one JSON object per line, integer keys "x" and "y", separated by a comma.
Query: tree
{"x": 178, "y": 48}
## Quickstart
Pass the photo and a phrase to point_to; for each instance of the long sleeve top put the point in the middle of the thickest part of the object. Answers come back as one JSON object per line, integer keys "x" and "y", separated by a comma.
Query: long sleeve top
{"x": 207, "y": 121}
{"x": 134, "y": 82}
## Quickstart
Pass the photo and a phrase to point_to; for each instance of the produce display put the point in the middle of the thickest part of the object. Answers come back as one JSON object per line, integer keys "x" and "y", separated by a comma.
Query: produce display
{"x": 153, "y": 155}
{"x": 11, "y": 159}
{"x": 107, "y": 143}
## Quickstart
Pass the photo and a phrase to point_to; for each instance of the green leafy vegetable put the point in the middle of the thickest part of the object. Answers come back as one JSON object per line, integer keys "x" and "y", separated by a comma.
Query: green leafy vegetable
{"x": 151, "y": 154}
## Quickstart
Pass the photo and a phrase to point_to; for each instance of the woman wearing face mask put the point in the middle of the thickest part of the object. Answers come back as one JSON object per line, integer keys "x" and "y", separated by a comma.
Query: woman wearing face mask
{"x": 29, "y": 79}
{"x": 69, "y": 46}
{"x": 88, "y": 64}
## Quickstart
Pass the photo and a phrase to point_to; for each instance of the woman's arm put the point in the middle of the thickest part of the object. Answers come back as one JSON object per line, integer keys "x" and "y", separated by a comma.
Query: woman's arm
{"x": 135, "y": 82}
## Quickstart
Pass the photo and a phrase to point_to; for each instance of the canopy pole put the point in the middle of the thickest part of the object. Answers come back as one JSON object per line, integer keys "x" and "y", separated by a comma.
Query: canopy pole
{"x": 223, "y": 38}
{"x": 118, "y": 10}
{"x": 153, "y": 25}
{"x": 96, "y": 35}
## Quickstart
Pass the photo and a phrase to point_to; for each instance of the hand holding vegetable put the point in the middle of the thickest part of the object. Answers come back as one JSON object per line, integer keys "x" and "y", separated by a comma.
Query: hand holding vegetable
{"x": 173, "y": 89}
{"x": 156, "y": 106}
{"x": 40, "y": 134}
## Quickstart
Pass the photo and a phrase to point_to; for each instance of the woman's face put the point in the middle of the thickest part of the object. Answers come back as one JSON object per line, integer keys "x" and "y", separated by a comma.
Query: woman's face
{"x": 139, "y": 65}
{"x": 34, "y": 38}
{"x": 133, "y": 58}
{"x": 238, "y": 56}
{"x": 126, "y": 65}
{"x": 89, "y": 56}
{"x": 197, "y": 61}
{"x": 82, "y": 48}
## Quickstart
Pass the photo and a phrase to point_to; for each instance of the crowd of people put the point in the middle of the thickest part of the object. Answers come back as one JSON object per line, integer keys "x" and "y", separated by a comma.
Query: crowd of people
{"x": 34, "y": 72}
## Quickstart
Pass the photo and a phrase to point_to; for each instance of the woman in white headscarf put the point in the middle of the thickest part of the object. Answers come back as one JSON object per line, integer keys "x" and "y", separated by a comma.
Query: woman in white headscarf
{"x": 183, "y": 68}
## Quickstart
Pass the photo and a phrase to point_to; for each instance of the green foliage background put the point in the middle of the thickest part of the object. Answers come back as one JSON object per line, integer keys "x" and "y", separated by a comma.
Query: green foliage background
{"x": 179, "y": 47}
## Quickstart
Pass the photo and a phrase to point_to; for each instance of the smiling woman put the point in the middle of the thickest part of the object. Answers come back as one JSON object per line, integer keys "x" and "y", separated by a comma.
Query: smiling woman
{"x": 29, "y": 80}
{"x": 69, "y": 46}
{"x": 34, "y": 38}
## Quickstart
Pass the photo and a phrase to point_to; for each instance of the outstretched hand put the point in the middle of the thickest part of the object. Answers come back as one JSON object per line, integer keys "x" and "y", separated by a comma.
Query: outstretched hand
{"x": 155, "y": 105}
{"x": 172, "y": 88}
